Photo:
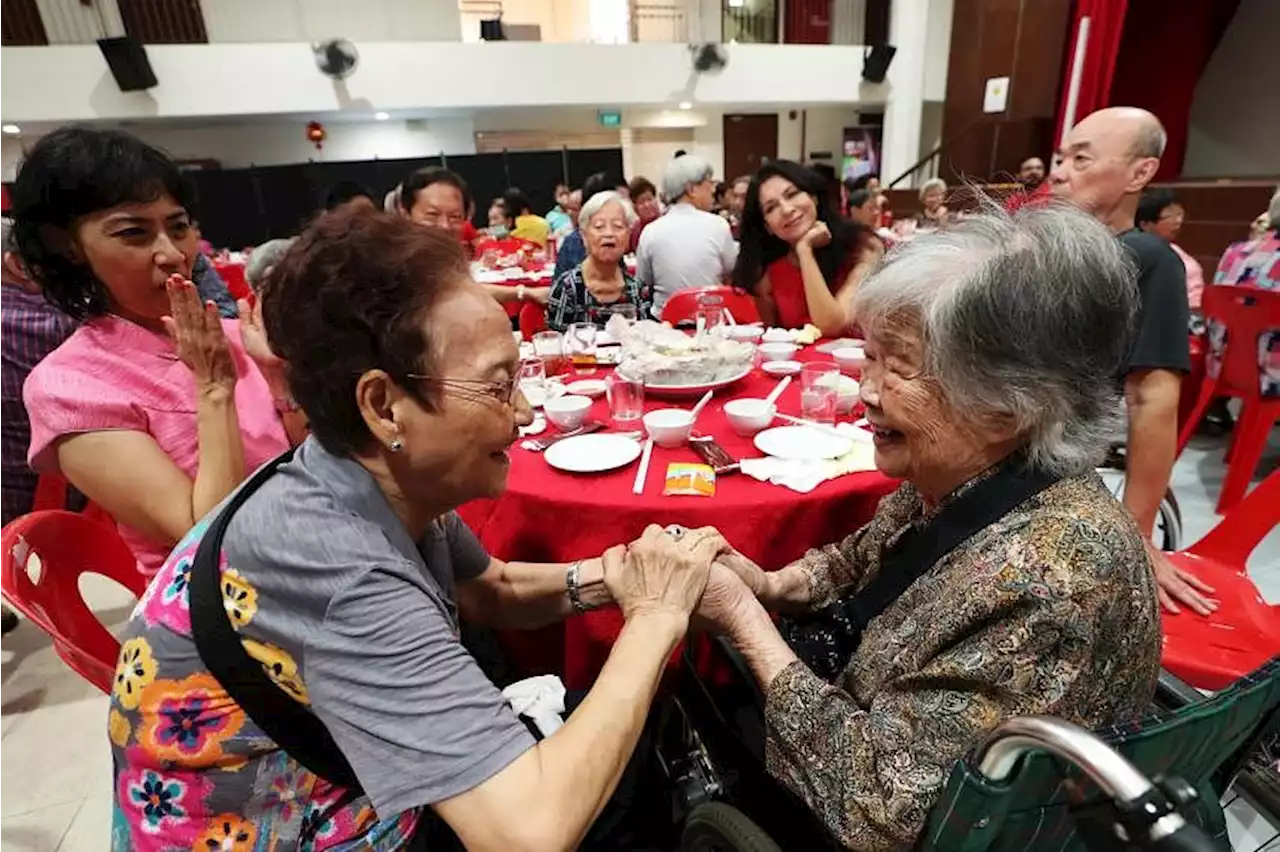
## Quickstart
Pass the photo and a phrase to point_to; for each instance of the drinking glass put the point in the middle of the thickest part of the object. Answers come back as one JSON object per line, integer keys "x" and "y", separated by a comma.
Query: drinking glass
{"x": 819, "y": 392}
{"x": 580, "y": 346}
{"x": 533, "y": 378}
{"x": 710, "y": 317}
{"x": 549, "y": 347}
{"x": 627, "y": 312}
{"x": 626, "y": 398}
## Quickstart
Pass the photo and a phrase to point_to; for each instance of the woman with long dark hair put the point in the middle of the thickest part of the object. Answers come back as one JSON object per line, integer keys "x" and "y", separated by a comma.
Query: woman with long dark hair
{"x": 798, "y": 257}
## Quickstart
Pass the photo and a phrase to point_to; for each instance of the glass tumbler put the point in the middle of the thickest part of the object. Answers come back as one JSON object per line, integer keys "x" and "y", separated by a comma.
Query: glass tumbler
{"x": 819, "y": 392}
{"x": 549, "y": 347}
{"x": 580, "y": 346}
{"x": 626, "y": 398}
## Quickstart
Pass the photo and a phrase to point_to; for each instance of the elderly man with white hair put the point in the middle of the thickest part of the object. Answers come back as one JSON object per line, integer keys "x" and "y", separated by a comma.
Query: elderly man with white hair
{"x": 689, "y": 247}
{"x": 1103, "y": 165}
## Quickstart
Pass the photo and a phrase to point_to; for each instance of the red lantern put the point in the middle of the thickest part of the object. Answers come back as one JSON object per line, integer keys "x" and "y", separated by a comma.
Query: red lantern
{"x": 316, "y": 134}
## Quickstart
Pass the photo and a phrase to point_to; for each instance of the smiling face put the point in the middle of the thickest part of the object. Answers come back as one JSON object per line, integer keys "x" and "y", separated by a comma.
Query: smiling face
{"x": 789, "y": 212}
{"x": 440, "y": 205}
{"x": 933, "y": 198}
{"x": 1169, "y": 225}
{"x": 918, "y": 435}
{"x": 607, "y": 234}
{"x": 1031, "y": 174}
{"x": 133, "y": 249}
{"x": 459, "y": 450}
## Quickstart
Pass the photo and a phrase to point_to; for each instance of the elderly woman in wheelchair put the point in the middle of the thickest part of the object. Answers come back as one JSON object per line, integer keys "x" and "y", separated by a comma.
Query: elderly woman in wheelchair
{"x": 1002, "y": 579}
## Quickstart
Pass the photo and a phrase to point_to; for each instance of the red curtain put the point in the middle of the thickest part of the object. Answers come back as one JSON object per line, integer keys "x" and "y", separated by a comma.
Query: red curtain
{"x": 1105, "y": 26}
{"x": 1159, "y": 62}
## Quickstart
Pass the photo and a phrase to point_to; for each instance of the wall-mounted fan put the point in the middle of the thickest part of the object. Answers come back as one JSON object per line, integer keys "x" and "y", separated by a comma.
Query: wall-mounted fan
{"x": 336, "y": 58}
{"x": 709, "y": 58}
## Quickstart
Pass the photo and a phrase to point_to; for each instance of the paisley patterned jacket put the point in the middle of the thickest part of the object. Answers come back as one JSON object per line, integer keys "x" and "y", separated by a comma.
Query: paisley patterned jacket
{"x": 1052, "y": 609}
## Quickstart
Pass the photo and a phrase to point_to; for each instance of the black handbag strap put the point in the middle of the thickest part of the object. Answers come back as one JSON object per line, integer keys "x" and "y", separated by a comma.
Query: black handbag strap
{"x": 920, "y": 548}
{"x": 296, "y": 730}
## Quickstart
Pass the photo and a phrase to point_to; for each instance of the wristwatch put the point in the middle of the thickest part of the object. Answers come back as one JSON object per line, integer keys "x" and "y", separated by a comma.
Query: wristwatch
{"x": 573, "y": 585}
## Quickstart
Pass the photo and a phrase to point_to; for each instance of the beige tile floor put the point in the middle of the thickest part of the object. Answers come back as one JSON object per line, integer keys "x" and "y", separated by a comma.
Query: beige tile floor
{"x": 55, "y": 766}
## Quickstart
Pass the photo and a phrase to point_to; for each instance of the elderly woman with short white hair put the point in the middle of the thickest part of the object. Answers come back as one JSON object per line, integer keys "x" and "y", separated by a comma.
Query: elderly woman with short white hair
{"x": 933, "y": 194}
{"x": 592, "y": 290}
{"x": 1002, "y": 578}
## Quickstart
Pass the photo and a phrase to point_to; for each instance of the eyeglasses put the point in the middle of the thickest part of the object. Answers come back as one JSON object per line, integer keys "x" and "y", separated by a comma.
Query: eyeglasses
{"x": 503, "y": 393}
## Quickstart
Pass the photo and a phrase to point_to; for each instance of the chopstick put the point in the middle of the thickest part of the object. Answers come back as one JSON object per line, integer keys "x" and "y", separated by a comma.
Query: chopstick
{"x": 697, "y": 409}
{"x": 821, "y": 427}
{"x": 772, "y": 398}
{"x": 643, "y": 472}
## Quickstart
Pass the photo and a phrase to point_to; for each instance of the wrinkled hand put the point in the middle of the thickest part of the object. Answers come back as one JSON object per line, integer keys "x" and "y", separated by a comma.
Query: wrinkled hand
{"x": 751, "y": 574}
{"x": 658, "y": 573}
{"x": 723, "y": 600}
{"x": 817, "y": 236}
{"x": 196, "y": 330}
{"x": 254, "y": 336}
{"x": 1174, "y": 585}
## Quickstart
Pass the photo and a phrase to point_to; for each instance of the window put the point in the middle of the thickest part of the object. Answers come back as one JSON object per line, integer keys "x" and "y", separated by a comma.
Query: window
{"x": 164, "y": 21}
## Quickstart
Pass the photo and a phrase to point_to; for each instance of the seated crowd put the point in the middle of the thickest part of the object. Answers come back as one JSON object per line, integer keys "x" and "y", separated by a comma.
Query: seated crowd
{"x": 387, "y": 397}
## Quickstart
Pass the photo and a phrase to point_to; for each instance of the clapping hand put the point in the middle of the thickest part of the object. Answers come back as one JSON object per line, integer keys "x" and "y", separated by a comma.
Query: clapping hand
{"x": 196, "y": 330}
{"x": 254, "y": 336}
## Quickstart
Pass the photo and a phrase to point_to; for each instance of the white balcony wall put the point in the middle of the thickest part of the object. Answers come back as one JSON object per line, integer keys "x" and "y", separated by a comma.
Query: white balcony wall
{"x": 314, "y": 20}
{"x": 937, "y": 51}
{"x": 72, "y": 22}
{"x": 262, "y": 79}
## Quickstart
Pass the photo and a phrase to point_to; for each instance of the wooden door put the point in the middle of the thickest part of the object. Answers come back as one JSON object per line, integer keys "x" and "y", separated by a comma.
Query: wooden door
{"x": 749, "y": 142}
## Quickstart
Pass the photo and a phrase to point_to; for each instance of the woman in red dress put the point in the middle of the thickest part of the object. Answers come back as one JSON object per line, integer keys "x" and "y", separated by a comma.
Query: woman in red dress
{"x": 798, "y": 257}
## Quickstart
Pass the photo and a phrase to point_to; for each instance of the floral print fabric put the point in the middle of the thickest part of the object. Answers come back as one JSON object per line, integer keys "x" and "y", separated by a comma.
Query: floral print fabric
{"x": 1052, "y": 609}
{"x": 192, "y": 771}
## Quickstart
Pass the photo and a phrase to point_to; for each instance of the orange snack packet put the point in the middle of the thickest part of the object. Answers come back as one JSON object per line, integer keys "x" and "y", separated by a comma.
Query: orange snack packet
{"x": 694, "y": 480}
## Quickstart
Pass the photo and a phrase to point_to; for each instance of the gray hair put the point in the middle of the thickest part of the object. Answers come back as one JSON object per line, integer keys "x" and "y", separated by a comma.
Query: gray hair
{"x": 596, "y": 203}
{"x": 263, "y": 258}
{"x": 681, "y": 172}
{"x": 1026, "y": 320}
{"x": 1273, "y": 211}
{"x": 930, "y": 185}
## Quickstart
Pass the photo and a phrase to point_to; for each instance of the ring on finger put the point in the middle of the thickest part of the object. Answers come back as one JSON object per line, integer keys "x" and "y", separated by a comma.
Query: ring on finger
{"x": 676, "y": 531}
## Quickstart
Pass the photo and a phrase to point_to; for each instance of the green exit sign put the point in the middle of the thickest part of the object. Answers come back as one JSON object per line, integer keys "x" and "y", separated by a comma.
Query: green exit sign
{"x": 609, "y": 118}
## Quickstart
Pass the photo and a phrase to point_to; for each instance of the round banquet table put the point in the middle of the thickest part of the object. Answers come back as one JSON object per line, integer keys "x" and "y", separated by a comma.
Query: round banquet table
{"x": 549, "y": 516}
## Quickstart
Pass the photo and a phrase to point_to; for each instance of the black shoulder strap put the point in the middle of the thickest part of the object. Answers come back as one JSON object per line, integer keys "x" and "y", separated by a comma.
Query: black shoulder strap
{"x": 919, "y": 549}
{"x": 293, "y": 728}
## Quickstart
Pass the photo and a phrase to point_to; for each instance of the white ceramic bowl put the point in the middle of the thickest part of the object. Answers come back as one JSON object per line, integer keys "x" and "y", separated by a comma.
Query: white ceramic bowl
{"x": 846, "y": 391}
{"x": 779, "y": 335}
{"x": 782, "y": 368}
{"x": 777, "y": 351}
{"x": 749, "y": 416}
{"x": 567, "y": 412}
{"x": 850, "y": 358}
{"x": 669, "y": 427}
{"x": 745, "y": 333}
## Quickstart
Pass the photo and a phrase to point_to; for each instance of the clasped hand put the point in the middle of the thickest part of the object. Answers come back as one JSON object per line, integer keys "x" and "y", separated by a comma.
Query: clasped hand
{"x": 698, "y": 574}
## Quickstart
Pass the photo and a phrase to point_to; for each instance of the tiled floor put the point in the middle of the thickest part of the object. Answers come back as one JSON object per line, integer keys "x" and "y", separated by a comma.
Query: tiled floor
{"x": 55, "y": 788}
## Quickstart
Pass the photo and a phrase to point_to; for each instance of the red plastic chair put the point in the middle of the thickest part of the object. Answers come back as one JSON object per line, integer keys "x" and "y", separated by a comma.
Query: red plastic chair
{"x": 1211, "y": 653}
{"x": 51, "y": 493}
{"x": 533, "y": 319}
{"x": 47, "y": 592}
{"x": 1246, "y": 313}
{"x": 683, "y": 306}
{"x": 233, "y": 276}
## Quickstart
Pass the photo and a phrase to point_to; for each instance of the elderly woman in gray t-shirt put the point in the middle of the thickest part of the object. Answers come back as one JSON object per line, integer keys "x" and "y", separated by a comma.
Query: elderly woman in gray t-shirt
{"x": 346, "y": 573}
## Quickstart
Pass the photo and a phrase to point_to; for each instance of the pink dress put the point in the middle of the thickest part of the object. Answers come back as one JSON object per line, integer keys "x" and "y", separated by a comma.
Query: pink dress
{"x": 112, "y": 374}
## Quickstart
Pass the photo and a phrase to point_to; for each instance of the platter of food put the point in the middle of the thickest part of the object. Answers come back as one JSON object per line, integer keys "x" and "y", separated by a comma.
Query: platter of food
{"x": 674, "y": 364}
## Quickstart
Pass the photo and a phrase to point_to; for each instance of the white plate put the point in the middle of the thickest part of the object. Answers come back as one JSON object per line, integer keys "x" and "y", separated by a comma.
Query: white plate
{"x": 593, "y": 388}
{"x": 782, "y": 368}
{"x": 801, "y": 443}
{"x": 666, "y": 391}
{"x": 592, "y": 453}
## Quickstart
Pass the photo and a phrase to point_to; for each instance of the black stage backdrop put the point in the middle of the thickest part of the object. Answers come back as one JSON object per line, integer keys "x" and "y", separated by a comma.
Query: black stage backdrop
{"x": 245, "y": 207}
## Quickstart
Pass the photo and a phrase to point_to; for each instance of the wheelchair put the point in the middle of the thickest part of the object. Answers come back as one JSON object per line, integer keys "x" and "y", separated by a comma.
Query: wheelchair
{"x": 1167, "y": 533}
{"x": 1035, "y": 782}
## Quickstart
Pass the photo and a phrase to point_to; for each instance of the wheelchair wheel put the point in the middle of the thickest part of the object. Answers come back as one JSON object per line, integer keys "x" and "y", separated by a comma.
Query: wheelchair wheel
{"x": 717, "y": 827}
{"x": 1167, "y": 533}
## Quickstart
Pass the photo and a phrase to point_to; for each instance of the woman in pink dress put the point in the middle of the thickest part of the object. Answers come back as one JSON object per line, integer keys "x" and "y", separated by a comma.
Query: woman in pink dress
{"x": 154, "y": 408}
{"x": 798, "y": 257}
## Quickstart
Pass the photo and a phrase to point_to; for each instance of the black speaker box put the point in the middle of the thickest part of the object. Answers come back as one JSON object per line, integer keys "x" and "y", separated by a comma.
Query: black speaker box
{"x": 491, "y": 30}
{"x": 875, "y": 62}
{"x": 127, "y": 59}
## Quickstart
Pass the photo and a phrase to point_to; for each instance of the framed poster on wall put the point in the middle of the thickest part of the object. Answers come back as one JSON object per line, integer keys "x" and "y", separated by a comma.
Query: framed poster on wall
{"x": 860, "y": 151}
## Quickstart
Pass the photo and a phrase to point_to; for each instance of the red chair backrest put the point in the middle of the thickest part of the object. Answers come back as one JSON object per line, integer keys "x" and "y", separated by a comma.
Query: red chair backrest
{"x": 1246, "y": 313}
{"x": 683, "y": 306}
{"x": 533, "y": 319}
{"x": 1241, "y": 529}
{"x": 237, "y": 283}
{"x": 51, "y": 493}
{"x": 47, "y": 590}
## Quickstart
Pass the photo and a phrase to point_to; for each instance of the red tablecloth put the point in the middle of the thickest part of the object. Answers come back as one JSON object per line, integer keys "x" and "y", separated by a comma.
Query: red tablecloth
{"x": 233, "y": 275}
{"x": 549, "y": 516}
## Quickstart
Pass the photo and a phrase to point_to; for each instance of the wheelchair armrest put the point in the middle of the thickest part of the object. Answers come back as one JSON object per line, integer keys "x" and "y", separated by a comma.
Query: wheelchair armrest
{"x": 1172, "y": 692}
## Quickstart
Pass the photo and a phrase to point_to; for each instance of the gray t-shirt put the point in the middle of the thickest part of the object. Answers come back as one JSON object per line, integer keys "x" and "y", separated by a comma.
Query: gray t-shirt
{"x": 351, "y": 617}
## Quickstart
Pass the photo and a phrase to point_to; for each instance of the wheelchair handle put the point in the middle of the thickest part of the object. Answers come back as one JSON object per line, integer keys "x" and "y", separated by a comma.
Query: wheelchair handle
{"x": 1002, "y": 749}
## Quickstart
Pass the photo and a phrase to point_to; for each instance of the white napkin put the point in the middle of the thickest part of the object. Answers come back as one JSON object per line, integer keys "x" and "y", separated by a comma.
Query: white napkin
{"x": 539, "y": 698}
{"x": 804, "y": 476}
